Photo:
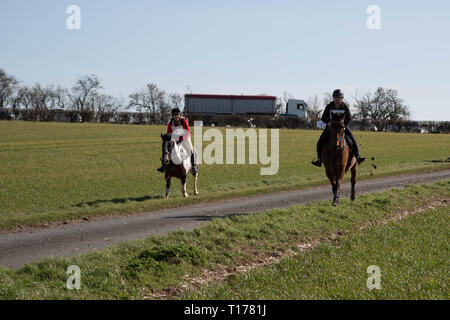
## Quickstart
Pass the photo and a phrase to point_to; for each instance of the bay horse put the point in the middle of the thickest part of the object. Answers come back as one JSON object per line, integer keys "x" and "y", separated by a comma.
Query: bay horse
{"x": 177, "y": 164}
{"x": 335, "y": 155}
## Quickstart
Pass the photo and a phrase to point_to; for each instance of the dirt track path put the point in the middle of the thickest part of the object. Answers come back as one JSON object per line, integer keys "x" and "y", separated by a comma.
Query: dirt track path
{"x": 17, "y": 249}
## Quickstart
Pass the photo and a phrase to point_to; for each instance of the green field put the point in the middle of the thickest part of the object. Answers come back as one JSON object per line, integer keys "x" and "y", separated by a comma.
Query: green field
{"x": 412, "y": 254}
{"x": 58, "y": 171}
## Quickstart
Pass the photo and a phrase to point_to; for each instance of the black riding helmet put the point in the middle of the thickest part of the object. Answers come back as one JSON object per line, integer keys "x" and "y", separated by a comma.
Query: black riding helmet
{"x": 338, "y": 93}
{"x": 175, "y": 111}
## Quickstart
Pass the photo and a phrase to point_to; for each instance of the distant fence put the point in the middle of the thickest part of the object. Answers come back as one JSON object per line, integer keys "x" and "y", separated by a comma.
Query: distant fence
{"x": 298, "y": 123}
{"x": 58, "y": 115}
{"x": 258, "y": 121}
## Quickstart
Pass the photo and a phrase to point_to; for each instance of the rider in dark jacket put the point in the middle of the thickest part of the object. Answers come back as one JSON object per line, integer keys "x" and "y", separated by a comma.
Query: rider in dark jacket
{"x": 336, "y": 104}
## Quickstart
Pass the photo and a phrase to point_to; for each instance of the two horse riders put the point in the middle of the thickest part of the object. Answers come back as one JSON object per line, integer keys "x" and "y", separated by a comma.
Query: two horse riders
{"x": 178, "y": 127}
{"x": 336, "y": 104}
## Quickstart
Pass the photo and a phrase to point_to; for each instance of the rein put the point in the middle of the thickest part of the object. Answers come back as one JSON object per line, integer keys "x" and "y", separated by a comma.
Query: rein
{"x": 341, "y": 139}
{"x": 166, "y": 153}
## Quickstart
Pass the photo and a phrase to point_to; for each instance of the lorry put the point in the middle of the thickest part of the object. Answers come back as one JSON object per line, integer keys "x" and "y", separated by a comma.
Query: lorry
{"x": 229, "y": 104}
{"x": 295, "y": 108}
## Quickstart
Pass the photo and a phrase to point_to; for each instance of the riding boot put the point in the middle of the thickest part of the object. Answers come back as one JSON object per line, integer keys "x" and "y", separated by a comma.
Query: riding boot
{"x": 318, "y": 162}
{"x": 322, "y": 140}
{"x": 355, "y": 148}
{"x": 162, "y": 169}
{"x": 193, "y": 166}
{"x": 360, "y": 159}
{"x": 356, "y": 153}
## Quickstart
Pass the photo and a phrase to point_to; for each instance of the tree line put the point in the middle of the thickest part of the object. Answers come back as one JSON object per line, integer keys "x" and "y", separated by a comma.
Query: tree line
{"x": 84, "y": 102}
{"x": 380, "y": 110}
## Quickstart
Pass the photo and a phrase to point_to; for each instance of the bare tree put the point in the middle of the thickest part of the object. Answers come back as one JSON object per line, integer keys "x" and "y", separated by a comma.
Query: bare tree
{"x": 41, "y": 99}
{"x": 104, "y": 106}
{"x": 16, "y": 101}
{"x": 153, "y": 101}
{"x": 279, "y": 107}
{"x": 314, "y": 109}
{"x": 156, "y": 99}
{"x": 362, "y": 106}
{"x": 284, "y": 101}
{"x": 327, "y": 98}
{"x": 26, "y": 98}
{"x": 82, "y": 91}
{"x": 8, "y": 85}
{"x": 61, "y": 98}
{"x": 382, "y": 106}
{"x": 176, "y": 101}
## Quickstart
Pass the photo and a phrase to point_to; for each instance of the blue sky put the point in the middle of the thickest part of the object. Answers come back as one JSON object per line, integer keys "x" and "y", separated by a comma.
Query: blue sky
{"x": 236, "y": 47}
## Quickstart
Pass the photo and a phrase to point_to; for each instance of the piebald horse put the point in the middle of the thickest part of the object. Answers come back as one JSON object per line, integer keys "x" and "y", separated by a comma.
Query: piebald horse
{"x": 177, "y": 164}
{"x": 335, "y": 155}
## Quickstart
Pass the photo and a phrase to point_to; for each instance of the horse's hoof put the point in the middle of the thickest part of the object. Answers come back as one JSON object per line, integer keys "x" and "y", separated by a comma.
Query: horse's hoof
{"x": 185, "y": 195}
{"x": 196, "y": 193}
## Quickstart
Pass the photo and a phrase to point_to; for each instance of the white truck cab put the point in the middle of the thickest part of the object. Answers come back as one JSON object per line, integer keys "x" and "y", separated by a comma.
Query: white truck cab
{"x": 296, "y": 107}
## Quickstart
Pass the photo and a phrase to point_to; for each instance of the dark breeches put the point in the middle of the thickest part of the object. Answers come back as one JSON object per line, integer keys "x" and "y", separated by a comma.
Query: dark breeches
{"x": 326, "y": 135}
{"x": 322, "y": 140}
{"x": 354, "y": 144}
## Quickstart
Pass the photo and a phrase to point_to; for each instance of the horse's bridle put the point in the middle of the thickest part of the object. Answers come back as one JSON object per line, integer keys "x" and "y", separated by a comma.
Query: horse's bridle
{"x": 341, "y": 126}
{"x": 338, "y": 122}
{"x": 166, "y": 153}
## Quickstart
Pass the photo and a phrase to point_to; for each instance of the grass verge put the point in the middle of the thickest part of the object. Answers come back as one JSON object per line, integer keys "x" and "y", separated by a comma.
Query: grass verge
{"x": 162, "y": 266}
{"x": 412, "y": 256}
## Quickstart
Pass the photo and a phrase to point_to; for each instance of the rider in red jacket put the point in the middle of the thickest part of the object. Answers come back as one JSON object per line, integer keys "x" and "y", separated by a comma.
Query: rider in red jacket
{"x": 177, "y": 122}
{"x": 178, "y": 127}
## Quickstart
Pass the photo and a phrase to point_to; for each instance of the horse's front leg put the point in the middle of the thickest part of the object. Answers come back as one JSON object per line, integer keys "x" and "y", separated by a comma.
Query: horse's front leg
{"x": 353, "y": 194}
{"x": 167, "y": 186}
{"x": 337, "y": 186}
{"x": 195, "y": 184}
{"x": 183, "y": 187}
{"x": 332, "y": 177}
{"x": 336, "y": 194}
